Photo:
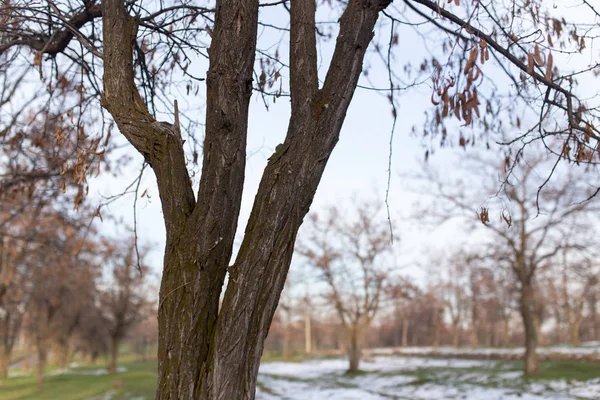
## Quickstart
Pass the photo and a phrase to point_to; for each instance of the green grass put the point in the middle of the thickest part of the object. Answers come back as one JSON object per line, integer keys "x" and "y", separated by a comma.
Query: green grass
{"x": 138, "y": 381}
{"x": 568, "y": 370}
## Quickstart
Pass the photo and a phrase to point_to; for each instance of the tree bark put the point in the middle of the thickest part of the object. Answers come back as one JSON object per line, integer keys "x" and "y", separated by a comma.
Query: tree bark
{"x": 206, "y": 352}
{"x": 114, "y": 354}
{"x": 527, "y": 308}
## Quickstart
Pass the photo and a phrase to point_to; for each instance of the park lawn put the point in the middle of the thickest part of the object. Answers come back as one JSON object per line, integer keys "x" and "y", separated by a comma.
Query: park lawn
{"x": 324, "y": 377}
{"x": 417, "y": 378}
{"x": 87, "y": 382}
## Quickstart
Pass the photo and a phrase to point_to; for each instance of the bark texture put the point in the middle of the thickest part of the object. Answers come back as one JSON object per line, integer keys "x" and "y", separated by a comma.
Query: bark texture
{"x": 206, "y": 352}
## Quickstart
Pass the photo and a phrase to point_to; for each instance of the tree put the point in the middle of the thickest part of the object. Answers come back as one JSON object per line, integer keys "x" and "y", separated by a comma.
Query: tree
{"x": 534, "y": 227}
{"x": 60, "y": 282}
{"x": 578, "y": 278}
{"x": 453, "y": 293}
{"x": 349, "y": 255}
{"x": 124, "y": 300}
{"x": 137, "y": 53}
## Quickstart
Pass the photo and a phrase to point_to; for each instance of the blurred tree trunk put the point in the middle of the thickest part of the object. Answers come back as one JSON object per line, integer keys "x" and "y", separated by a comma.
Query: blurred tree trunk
{"x": 527, "y": 308}
{"x": 114, "y": 354}
{"x": 405, "y": 323}
{"x": 354, "y": 348}
{"x": 593, "y": 301}
{"x": 437, "y": 321}
{"x": 42, "y": 355}
{"x": 307, "y": 332}
{"x": 574, "y": 331}
{"x": 455, "y": 335}
{"x": 4, "y": 361}
{"x": 505, "y": 332}
{"x": 285, "y": 352}
{"x": 538, "y": 329}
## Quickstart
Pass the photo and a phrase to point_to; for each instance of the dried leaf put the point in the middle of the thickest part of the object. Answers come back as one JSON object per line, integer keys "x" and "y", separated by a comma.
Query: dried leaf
{"x": 529, "y": 63}
{"x": 549, "y": 67}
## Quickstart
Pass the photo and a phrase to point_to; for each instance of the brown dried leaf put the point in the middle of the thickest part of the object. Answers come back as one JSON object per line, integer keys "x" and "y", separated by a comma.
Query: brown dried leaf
{"x": 549, "y": 67}
{"x": 529, "y": 63}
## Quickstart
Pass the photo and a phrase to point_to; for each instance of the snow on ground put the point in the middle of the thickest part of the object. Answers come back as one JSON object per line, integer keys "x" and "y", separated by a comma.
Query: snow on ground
{"x": 417, "y": 378}
{"x": 588, "y": 349}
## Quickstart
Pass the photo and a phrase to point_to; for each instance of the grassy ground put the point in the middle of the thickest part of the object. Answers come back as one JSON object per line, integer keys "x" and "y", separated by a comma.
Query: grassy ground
{"x": 137, "y": 382}
{"x": 431, "y": 379}
{"x": 83, "y": 383}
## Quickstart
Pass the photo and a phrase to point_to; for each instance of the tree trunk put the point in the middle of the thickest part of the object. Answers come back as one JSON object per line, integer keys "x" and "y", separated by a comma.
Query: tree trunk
{"x": 42, "y": 354}
{"x": 64, "y": 350}
{"x": 354, "y": 349}
{"x": 114, "y": 354}
{"x": 538, "y": 329}
{"x": 594, "y": 315}
{"x": 506, "y": 332}
{"x": 405, "y": 323}
{"x": 527, "y": 308}
{"x": 455, "y": 335}
{"x": 207, "y": 351}
{"x": 474, "y": 337}
{"x": 4, "y": 361}
{"x": 307, "y": 332}
{"x": 93, "y": 357}
{"x": 436, "y": 333}
{"x": 285, "y": 352}
{"x": 574, "y": 331}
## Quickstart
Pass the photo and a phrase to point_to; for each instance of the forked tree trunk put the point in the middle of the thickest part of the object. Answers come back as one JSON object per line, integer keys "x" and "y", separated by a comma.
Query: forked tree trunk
{"x": 114, "y": 354}
{"x": 207, "y": 351}
{"x": 527, "y": 308}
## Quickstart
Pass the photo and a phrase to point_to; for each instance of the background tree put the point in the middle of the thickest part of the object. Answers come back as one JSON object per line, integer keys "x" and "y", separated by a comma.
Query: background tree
{"x": 533, "y": 228}
{"x": 125, "y": 298}
{"x": 350, "y": 255}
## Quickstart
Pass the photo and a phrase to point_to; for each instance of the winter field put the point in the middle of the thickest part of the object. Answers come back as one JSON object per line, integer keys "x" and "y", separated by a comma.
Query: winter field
{"x": 396, "y": 377}
{"x": 386, "y": 375}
